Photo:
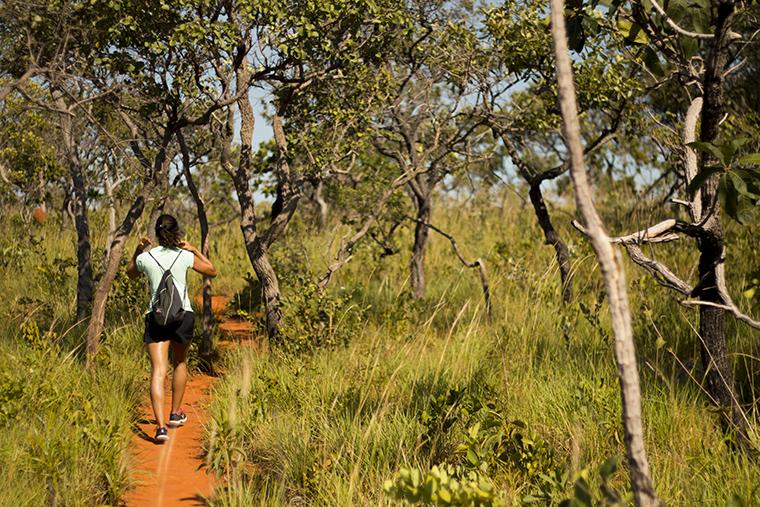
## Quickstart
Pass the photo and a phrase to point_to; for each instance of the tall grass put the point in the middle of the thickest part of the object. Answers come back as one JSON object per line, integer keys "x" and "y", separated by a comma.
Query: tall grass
{"x": 64, "y": 432}
{"x": 328, "y": 428}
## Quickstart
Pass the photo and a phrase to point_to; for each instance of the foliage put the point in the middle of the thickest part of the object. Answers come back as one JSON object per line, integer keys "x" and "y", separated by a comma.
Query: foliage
{"x": 739, "y": 186}
{"x": 317, "y": 319}
{"x": 443, "y": 485}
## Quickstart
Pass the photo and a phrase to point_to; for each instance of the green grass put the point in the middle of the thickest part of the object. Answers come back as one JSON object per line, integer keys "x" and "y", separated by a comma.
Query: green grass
{"x": 329, "y": 428}
{"x": 393, "y": 383}
{"x": 64, "y": 432}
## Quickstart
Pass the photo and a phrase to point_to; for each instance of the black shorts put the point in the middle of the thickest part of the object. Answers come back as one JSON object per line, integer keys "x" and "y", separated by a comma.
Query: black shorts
{"x": 180, "y": 332}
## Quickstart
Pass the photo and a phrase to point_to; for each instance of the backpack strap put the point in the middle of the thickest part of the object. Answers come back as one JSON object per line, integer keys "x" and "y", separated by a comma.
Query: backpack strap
{"x": 159, "y": 264}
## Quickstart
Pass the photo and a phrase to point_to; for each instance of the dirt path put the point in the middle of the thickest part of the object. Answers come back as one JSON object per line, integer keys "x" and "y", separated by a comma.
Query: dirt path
{"x": 171, "y": 474}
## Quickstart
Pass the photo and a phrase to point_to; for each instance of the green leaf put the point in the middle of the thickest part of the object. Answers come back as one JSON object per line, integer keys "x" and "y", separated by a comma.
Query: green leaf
{"x": 751, "y": 159}
{"x": 576, "y": 37}
{"x": 652, "y": 62}
{"x": 710, "y": 149}
{"x": 729, "y": 149}
{"x": 701, "y": 178}
{"x": 737, "y": 182}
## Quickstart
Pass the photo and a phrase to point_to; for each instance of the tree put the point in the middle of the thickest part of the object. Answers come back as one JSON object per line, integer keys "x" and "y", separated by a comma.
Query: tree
{"x": 516, "y": 75}
{"x": 717, "y": 181}
{"x": 614, "y": 278}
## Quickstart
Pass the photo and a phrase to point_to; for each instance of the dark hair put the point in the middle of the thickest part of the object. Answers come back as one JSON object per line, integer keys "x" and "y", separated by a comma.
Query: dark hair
{"x": 167, "y": 231}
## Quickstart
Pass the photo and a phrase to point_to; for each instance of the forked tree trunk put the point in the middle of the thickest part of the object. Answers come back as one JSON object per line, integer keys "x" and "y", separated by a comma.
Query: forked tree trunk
{"x": 421, "y": 234}
{"x": 610, "y": 264}
{"x": 154, "y": 173}
{"x": 255, "y": 246}
{"x": 553, "y": 239}
{"x": 712, "y": 330}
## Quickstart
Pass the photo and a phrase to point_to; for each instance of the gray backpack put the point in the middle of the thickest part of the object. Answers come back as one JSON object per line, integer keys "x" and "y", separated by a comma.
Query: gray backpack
{"x": 167, "y": 306}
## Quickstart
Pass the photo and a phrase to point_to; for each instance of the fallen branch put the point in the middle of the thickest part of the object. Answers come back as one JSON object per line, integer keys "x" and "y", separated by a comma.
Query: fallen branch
{"x": 477, "y": 263}
{"x": 659, "y": 233}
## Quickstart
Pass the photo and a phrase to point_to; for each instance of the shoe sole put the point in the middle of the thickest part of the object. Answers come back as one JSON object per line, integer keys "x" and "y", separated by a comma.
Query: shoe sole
{"x": 162, "y": 439}
{"x": 176, "y": 424}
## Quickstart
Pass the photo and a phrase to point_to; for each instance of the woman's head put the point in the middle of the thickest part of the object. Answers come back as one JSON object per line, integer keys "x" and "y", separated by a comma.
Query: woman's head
{"x": 167, "y": 231}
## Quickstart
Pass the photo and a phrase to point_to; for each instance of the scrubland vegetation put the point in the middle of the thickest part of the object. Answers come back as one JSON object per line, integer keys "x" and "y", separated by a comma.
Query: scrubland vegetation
{"x": 411, "y": 239}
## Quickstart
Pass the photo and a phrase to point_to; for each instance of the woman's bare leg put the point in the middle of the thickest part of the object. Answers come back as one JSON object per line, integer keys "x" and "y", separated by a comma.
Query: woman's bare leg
{"x": 179, "y": 378}
{"x": 158, "y": 353}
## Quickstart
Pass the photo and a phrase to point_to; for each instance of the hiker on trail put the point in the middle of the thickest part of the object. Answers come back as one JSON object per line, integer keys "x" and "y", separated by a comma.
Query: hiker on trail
{"x": 169, "y": 319}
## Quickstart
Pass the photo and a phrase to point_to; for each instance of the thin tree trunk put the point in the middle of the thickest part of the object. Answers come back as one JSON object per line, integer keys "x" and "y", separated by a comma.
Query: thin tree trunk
{"x": 421, "y": 234}
{"x": 207, "y": 316}
{"x": 155, "y": 212}
{"x": 95, "y": 327}
{"x": 610, "y": 264}
{"x": 84, "y": 265}
{"x": 322, "y": 204}
{"x": 111, "y": 203}
{"x": 720, "y": 378}
{"x": 552, "y": 238}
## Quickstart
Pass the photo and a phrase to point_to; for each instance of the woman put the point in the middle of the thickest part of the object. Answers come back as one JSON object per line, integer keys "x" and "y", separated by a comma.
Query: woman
{"x": 175, "y": 255}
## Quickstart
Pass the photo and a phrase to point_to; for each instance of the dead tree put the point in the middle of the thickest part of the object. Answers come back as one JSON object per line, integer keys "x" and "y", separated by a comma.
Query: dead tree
{"x": 610, "y": 265}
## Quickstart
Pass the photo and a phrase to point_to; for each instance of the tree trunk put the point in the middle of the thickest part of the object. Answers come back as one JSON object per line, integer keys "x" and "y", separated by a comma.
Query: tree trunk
{"x": 84, "y": 264}
{"x": 322, "y": 204}
{"x": 719, "y": 374}
{"x": 154, "y": 173}
{"x": 109, "y": 189}
{"x": 552, "y": 238}
{"x": 155, "y": 212}
{"x": 610, "y": 264}
{"x": 207, "y": 317}
{"x": 421, "y": 233}
{"x": 95, "y": 327}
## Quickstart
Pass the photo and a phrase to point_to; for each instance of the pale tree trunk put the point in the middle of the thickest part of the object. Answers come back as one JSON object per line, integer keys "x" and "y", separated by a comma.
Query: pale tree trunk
{"x": 207, "y": 316}
{"x": 421, "y": 234}
{"x": 109, "y": 185}
{"x": 84, "y": 265}
{"x": 610, "y": 265}
{"x": 322, "y": 204}
{"x": 720, "y": 378}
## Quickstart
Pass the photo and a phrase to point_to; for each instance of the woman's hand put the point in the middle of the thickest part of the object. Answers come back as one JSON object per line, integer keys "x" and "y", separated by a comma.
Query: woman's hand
{"x": 200, "y": 263}
{"x": 184, "y": 245}
{"x": 144, "y": 243}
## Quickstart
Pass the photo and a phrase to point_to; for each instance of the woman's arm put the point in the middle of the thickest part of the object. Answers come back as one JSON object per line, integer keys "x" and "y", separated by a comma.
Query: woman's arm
{"x": 201, "y": 264}
{"x": 132, "y": 271}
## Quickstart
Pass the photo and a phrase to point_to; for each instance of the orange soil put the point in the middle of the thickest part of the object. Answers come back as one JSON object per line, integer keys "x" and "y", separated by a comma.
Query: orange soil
{"x": 169, "y": 474}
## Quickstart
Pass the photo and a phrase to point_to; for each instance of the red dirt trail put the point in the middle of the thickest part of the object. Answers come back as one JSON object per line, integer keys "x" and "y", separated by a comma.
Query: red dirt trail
{"x": 171, "y": 474}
